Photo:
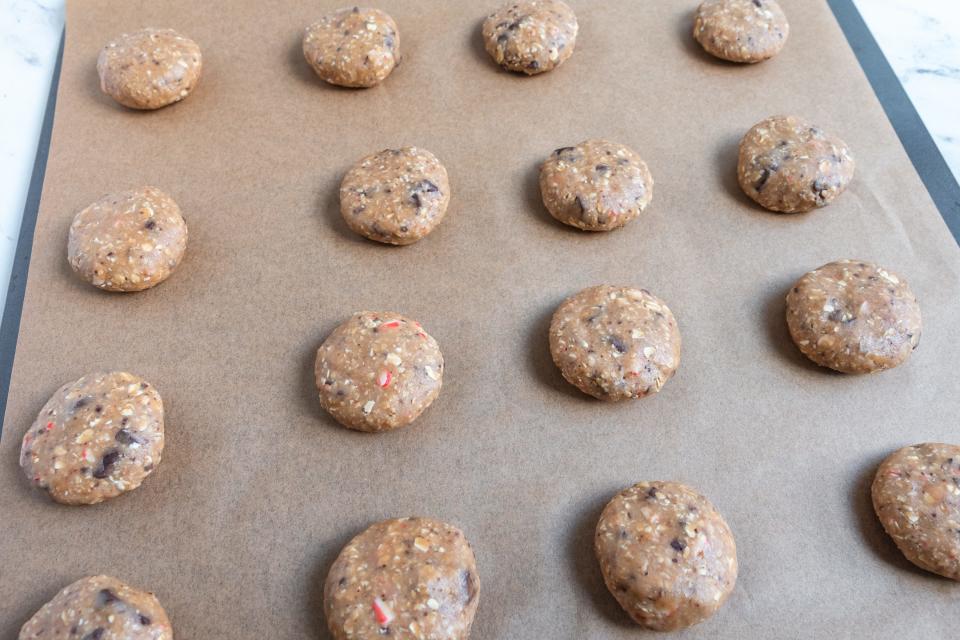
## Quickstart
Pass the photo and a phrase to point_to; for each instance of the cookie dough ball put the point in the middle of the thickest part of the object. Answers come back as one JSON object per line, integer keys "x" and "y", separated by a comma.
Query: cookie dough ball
{"x": 854, "y": 317}
{"x": 95, "y": 438}
{"x": 596, "y": 185}
{"x": 789, "y": 165}
{"x": 99, "y": 608}
{"x": 396, "y": 196}
{"x": 150, "y": 68}
{"x": 378, "y": 371}
{"x": 406, "y": 578}
{"x": 741, "y": 30}
{"x": 128, "y": 241}
{"x": 666, "y": 555}
{"x": 354, "y": 47}
{"x": 615, "y": 343}
{"x": 916, "y": 494}
{"x": 531, "y": 36}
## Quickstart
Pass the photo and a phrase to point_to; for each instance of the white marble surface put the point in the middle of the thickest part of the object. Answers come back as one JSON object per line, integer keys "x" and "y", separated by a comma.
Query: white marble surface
{"x": 921, "y": 39}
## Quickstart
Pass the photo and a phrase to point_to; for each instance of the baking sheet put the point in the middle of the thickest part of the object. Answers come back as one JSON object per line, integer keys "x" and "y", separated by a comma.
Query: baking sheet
{"x": 259, "y": 489}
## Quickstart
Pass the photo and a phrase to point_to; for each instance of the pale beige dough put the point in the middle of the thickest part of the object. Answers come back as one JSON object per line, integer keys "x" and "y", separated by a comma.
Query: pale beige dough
{"x": 741, "y": 30}
{"x": 353, "y": 47}
{"x": 531, "y": 36}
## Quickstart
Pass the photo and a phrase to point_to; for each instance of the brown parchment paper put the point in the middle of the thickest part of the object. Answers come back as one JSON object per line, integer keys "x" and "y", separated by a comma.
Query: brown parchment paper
{"x": 259, "y": 489}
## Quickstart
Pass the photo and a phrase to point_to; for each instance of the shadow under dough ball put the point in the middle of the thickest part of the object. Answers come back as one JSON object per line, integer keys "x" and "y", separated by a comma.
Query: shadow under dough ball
{"x": 531, "y": 36}
{"x": 789, "y": 165}
{"x": 407, "y": 578}
{"x": 99, "y": 608}
{"x": 741, "y": 30}
{"x": 666, "y": 555}
{"x": 150, "y": 68}
{"x": 353, "y": 47}
{"x": 854, "y": 317}
{"x": 916, "y": 494}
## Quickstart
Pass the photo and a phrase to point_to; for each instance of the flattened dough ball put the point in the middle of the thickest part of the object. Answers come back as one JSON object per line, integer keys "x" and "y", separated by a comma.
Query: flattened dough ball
{"x": 531, "y": 36}
{"x": 99, "y": 608}
{"x": 95, "y": 438}
{"x": 403, "y": 578}
{"x": 396, "y": 196}
{"x": 128, "y": 241}
{"x": 150, "y": 68}
{"x": 378, "y": 371}
{"x": 741, "y": 30}
{"x": 615, "y": 343}
{"x": 666, "y": 554}
{"x": 596, "y": 186}
{"x": 790, "y": 165}
{"x": 916, "y": 494}
{"x": 854, "y": 317}
{"x": 353, "y": 47}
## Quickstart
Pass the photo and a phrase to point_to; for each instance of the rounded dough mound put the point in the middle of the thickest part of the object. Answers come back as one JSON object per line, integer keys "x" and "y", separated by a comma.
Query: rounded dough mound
{"x": 789, "y": 165}
{"x": 128, "y": 241}
{"x": 354, "y": 47}
{"x": 741, "y": 30}
{"x": 95, "y": 438}
{"x": 916, "y": 494}
{"x": 150, "y": 68}
{"x": 854, "y": 317}
{"x": 531, "y": 36}
{"x": 615, "y": 343}
{"x": 404, "y": 578}
{"x": 378, "y": 371}
{"x": 666, "y": 555}
{"x": 99, "y": 608}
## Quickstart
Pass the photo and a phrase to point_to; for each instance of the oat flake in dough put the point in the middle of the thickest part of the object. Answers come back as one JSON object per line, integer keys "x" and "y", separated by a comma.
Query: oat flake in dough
{"x": 531, "y": 36}
{"x": 741, "y": 30}
{"x": 353, "y": 47}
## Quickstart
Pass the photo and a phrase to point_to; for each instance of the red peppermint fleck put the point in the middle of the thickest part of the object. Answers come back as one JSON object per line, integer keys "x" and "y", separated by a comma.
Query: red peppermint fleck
{"x": 422, "y": 334}
{"x": 382, "y": 612}
{"x": 393, "y": 324}
{"x": 49, "y": 426}
{"x": 384, "y": 378}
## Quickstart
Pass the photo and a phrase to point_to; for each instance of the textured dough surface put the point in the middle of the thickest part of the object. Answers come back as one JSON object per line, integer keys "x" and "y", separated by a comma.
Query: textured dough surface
{"x": 531, "y": 36}
{"x": 615, "y": 343}
{"x": 378, "y": 371}
{"x": 741, "y": 30}
{"x": 854, "y": 317}
{"x": 666, "y": 555}
{"x": 396, "y": 196}
{"x": 128, "y": 241}
{"x": 353, "y": 47}
{"x": 150, "y": 68}
{"x": 99, "y": 608}
{"x": 596, "y": 186}
{"x": 789, "y": 165}
{"x": 916, "y": 494}
{"x": 410, "y": 578}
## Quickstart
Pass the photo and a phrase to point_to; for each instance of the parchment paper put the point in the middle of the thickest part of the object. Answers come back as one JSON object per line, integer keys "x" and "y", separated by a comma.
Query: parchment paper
{"x": 259, "y": 489}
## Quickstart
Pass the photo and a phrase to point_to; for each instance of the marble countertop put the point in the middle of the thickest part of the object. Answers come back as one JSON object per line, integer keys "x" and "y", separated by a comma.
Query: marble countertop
{"x": 920, "y": 38}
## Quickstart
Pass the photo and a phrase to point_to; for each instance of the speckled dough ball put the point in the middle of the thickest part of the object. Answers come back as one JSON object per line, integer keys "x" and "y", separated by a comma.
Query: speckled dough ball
{"x": 741, "y": 30}
{"x": 95, "y": 438}
{"x": 353, "y": 47}
{"x": 531, "y": 36}
{"x": 854, "y": 317}
{"x": 128, "y": 241}
{"x": 596, "y": 185}
{"x": 787, "y": 164}
{"x": 615, "y": 343}
{"x": 916, "y": 494}
{"x": 396, "y": 196}
{"x": 150, "y": 68}
{"x": 378, "y": 371}
{"x": 666, "y": 555}
{"x": 404, "y": 578}
{"x": 99, "y": 608}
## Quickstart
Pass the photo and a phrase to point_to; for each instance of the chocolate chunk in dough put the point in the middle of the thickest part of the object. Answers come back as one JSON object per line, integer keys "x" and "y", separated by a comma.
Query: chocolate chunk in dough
{"x": 404, "y": 578}
{"x": 741, "y": 30}
{"x": 789, "y": 165}
{"x": 95, "y": 438}
{"x": 150, "y": 68}
{"x": 666, "y": 555}
{"x": 353, "y": 47}
{"x": 615, "y": 343}
{"x": 916, "y": 494}
{"x": 531, "y": 36}
{"x": 854, "y": 317}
